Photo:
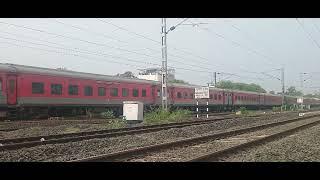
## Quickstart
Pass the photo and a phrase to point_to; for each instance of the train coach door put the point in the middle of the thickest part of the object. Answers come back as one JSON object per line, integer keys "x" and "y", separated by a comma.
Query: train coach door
{"x": 227, "y": 101}
{"x": 12, "y": 89}
{"x": 230, "y": 99}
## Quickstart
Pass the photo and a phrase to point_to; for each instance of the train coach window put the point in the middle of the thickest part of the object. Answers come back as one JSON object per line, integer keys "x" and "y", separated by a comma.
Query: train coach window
{"x": 144, "y": 93}
{"x": 219, "y": 96}
{"x": 135, "y": 93}
{"x": 88, "y": 91}
{"x": 56, "y": 89}
{"x": 179, "y": 95}
{"x": 101, "y": 91}
{"x": 37, "y": 88}
{"x": 125, "y": 92}
{"x": 0, "y": 86}
{"x": 114, "y": 92}
{"x": 185, "y": 95}
{"x": 11, "y": 85}
{"x": 215, "y": 96}
{"x": 211, "y": 96}
{"x": 73, "y": 89}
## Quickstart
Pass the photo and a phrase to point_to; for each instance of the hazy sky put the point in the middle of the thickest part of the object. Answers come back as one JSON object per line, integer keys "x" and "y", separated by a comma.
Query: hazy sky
{"x": 243, "y": 47}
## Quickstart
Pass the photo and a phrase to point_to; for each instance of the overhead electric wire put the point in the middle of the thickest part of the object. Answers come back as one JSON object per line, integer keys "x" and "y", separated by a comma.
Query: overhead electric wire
{"x": 80, "y": 40}
{"x": 88, "y": 52}
{"x": 107, "y": 60}
{"x": 73, "y": 38}
{"x": 309, "y": 35}
{"x": 192, "y": 65}
{"x": 239, "y": 30}
{"x": 64, "y": 53}
{"x": 158, "y": 42}
{"x": 94, "y": 52}
{"x": 239, "y": 45}
{"x": 206, "y": 62}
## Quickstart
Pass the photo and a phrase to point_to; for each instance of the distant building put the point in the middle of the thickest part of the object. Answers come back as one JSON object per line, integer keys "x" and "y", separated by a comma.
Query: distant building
{"x": 154, "y": 74}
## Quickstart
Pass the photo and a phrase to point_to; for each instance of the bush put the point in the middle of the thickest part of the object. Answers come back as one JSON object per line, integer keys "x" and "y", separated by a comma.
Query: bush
{"x": 116, "y": 123}
{"x": 244, "y": 111}
{"x": 275, "y": 109}
{"x": 159, "y": 115}
{"x": 108, "y": 114}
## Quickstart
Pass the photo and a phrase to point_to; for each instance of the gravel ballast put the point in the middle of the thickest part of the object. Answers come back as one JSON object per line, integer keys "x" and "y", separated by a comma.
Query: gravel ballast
{"x": 301, "y": 146}
{"x": 81, "y": 149}
{"x": 187, "y": 152}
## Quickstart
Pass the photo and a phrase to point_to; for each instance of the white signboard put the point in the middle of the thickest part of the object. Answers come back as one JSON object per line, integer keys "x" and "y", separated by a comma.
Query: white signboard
{"x": 300, "y": 100}
{"x": 201, "y": 93}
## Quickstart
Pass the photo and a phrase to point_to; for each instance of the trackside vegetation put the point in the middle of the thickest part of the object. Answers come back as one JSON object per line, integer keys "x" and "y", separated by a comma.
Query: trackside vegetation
{"x": 158, "y": 116}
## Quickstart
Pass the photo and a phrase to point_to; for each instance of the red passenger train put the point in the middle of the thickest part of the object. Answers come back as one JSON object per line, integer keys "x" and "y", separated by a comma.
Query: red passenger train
{"x": 27, "y": 91}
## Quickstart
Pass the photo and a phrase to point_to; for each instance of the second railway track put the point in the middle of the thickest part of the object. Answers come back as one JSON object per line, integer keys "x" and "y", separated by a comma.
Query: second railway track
{"x": 17, "y": 143}
{"x": 140, "y": 153}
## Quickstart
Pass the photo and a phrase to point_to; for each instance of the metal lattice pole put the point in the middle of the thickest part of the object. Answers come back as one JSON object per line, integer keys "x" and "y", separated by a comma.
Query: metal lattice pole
{"x": 164, "y": 72}
{"x": 282, "y": 82}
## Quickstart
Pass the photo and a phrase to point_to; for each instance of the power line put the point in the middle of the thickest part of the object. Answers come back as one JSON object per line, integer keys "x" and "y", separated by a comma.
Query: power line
{"x": 207, "y": 61}
{"x": 88, "y": 52}
{"x": 309, "y": 35}
{"x": 112, "y": 46}
{"x": 239, "y": 45}
{"x": 150, "y": 39}
{"x": 64, "y": 53}
{"x": 239, "y": 30}
{"x": 86, "y": 30}
{"x": 116, "y": 57}
{"x": 94, "y": 52}
{"x": 132, "y": 32}
{"x": 88, "y": 58}
{"x": 82, "y": 40}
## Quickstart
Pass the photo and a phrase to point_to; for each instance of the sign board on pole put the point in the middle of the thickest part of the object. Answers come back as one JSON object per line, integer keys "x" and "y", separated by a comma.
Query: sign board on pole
{"x": 300, "y": 100}
{"x": 201, "y": 93}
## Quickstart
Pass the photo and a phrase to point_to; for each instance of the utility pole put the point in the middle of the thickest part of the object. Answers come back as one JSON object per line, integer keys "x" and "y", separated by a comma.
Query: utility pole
{"x": 164, "y": 71}
{"x": 301, "y": 81}
{"x": 215, "y": 79}
{"x": 282, "y": 82}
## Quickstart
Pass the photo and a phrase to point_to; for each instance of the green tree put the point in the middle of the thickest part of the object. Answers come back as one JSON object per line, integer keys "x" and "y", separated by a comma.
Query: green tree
{"x": 127, "y": 74}
{"x": 240, "y": 86}
{"x": 272, "y": 92}
{"x": 316, "y": 95}
{"x": 178, "y": 81}
{"x": 291, "y": 91}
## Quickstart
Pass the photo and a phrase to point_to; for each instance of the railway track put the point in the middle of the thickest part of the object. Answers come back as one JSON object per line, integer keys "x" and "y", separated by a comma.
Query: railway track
{"x": 219, "y": 155}
{"x": 17, "y": 143}
{"x": 138, "y": 153}
{"x": 16, "y": 125}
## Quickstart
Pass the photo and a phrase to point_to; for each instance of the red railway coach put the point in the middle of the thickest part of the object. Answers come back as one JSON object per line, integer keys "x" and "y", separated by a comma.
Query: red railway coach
{"x": 32, "y": 90}
{"x": 28, "y": 92}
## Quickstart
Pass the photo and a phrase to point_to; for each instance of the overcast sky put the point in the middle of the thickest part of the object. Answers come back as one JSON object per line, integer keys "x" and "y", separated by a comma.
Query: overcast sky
{"x": 244, "y": 47}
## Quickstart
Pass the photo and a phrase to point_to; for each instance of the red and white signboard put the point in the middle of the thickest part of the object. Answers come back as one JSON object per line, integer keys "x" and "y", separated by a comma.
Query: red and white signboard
{"x": 201, "y": 93}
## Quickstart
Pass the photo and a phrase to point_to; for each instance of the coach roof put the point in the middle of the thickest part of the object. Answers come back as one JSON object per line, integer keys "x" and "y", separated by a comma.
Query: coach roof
{"x": 67, "y": 73}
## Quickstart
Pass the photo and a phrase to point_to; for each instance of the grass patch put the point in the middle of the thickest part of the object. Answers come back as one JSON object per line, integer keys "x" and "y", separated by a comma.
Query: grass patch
{"x": 35, "y": 129}
{"x": 71, "y": 130}
{"x": 244, "y": 112}
{"x": 116, "y": 123}
{"x": 159, "y": 116}
{"x": 108, "y": 114}
{"x": 285, "y": 108}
